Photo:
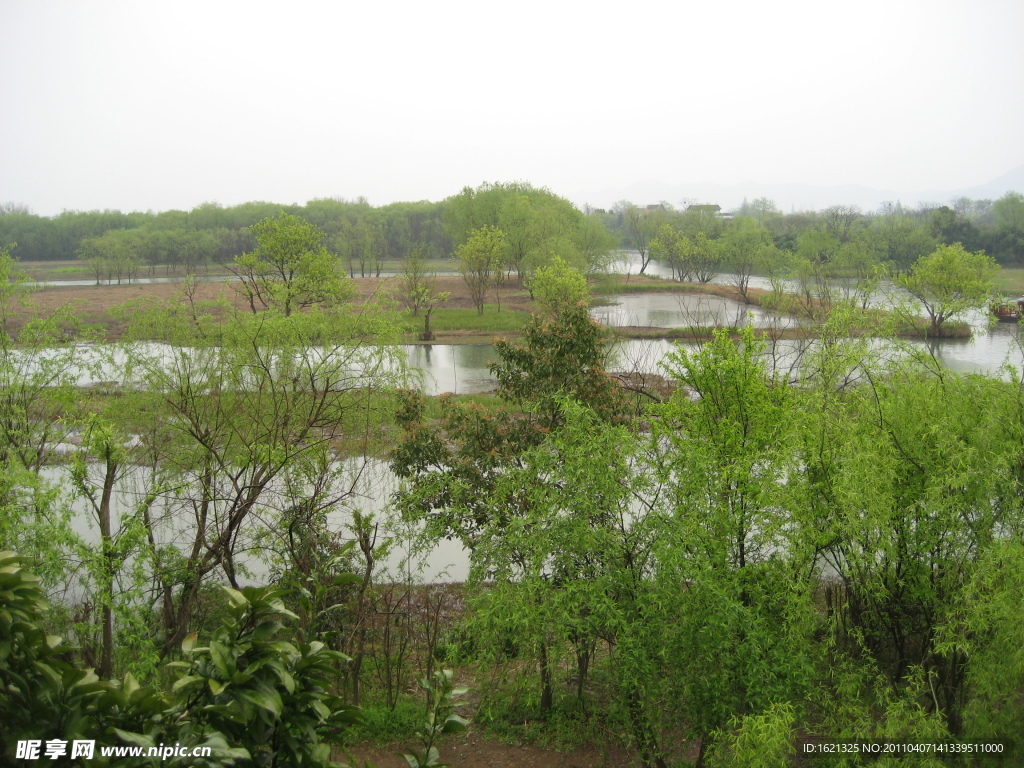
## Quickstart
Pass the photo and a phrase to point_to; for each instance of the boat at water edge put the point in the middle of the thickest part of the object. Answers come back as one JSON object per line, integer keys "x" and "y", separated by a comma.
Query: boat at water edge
{"x": 1008, "y": 311}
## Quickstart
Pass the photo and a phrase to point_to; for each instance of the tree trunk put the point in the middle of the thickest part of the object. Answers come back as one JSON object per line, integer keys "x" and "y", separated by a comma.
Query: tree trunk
{"x": 109, "y": 566}
{"x": 547, "y": 696}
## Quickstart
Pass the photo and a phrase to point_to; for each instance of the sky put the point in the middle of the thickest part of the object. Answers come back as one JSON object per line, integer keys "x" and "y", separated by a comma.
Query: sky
{"x": 154, "y": 106}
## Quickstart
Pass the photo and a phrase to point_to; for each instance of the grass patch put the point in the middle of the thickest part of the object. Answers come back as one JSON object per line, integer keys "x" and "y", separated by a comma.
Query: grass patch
{"x": 613, "y": 284}
{"x": 567, "y": 727}
{"x": 1010, "y": 281}
{"x": 483, "y": 401}
{"x": 491, "y": 321}
{"x": 382, "y": 725}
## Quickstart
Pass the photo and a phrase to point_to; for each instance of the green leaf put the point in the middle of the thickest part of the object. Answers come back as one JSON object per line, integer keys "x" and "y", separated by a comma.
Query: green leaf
{"x": 138, "y": 739}
{"x": 187, "y": 682}
{"x": 265, "y": 630}
{"x": 130, "y": 684}
{"x": 455, "y": 724}
{"x": 268, "y": 700}
{"x": 221, "y": 658}
{"x": 236, "y": 598}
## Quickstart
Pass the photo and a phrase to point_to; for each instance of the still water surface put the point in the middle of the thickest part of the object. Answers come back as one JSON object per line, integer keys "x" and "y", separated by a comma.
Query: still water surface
{"x": 465, "y": 369}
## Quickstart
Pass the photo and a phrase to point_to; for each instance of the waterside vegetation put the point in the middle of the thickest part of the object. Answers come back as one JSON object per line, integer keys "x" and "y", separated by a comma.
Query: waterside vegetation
{"x": 725, "y": 567}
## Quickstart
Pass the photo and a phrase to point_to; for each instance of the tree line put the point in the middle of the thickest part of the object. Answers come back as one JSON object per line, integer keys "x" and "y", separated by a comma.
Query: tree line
{"x": 362, "y": 236}
{"x": 534, "y": 221}
{"x": 893, "y": 234}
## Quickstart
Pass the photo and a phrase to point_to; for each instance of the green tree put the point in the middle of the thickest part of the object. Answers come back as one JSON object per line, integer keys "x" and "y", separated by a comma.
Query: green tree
{"x": 14, "y": 287}
{"x": 722, "y": 456}
{"x": 290, "y": 268}
{"x": 950, "y": 281}
{"x": 705, "y": 257}
{"x": 537, "y": 225}
{"x": 948, "y": 226}
{"x": 558, "y": 287}
{"x": 249, "y": 695}
{"x": 419, "y": 290}
{"x": 860, "y": 271}
{"x": 417, "y": 283}
{"x": 41, "y": 360}
{"x": 641, "y": 225}
{"x": 568, "y": 569}
{"x": 900, "y": 239}
{"x": 907, "y": 483}
{"x": 114, "y": 255}
{"x": 747, "y": 250}
{"x": 454, "y": 467}
{"x": 762, "y": 209}
{"x": 985, "y": 629}
{"x": 242, "y": 432}
{"x": 479, "y": 258}
{"x": 368, "y": 245}
{"x": 673, "y": 248}
{"x": 1009, "y": 219}
{"x": 841, "y": 221}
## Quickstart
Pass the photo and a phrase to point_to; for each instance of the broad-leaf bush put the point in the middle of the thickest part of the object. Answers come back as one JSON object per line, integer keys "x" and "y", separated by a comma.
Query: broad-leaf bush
{"x": 250, "y": 694}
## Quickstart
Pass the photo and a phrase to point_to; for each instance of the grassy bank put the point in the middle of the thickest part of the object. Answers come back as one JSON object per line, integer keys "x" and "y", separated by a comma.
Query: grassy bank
{"x": 1010, "y": 281}
{"x": 458, "y": 322}
{"x": 445, "y": 321}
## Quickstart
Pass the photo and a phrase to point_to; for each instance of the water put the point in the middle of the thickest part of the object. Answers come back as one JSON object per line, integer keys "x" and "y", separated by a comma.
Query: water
{"x": 201, "y": 278}
{"x": 360, "y": 483}
{"x": 464, "y": 369}
{"x": 666, "y": 310}
{"x": 133, "y": 281}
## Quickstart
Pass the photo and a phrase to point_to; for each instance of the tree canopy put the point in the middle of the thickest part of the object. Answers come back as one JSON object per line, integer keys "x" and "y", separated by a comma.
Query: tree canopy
{"x": 949, "y": 281}
{"x": 537, "y": 224}
{"x": 290, "y": 267}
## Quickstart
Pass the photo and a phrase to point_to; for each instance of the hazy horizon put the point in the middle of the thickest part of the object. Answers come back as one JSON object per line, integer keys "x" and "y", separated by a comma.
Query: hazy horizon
{"x": 134, "y": 106}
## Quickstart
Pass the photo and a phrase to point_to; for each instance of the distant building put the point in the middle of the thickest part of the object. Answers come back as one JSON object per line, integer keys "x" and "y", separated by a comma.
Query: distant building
{"x": 710, "y": 209}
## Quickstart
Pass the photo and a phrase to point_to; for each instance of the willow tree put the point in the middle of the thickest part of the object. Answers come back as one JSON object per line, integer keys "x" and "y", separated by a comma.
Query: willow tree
{"x": 949, "y": 282}
{"x": 244, "y": 440}
{"x": 480, "y": 258}
{"x": 290, "y": 268}
{"x": 537, "y": 224}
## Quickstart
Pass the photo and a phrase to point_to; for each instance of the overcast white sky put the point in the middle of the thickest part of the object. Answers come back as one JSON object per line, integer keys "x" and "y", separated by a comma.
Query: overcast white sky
{"x": 144, "y": 105}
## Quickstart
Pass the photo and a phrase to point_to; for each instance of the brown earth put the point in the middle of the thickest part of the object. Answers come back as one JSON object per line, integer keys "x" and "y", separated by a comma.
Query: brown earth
{"x": 475, "y": 749}
{"x": 95, "y": 302}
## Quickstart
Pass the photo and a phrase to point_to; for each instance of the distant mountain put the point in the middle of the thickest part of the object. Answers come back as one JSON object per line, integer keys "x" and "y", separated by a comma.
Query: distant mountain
{"x": 791, "y": 197}
{"x": 993, "y": 190}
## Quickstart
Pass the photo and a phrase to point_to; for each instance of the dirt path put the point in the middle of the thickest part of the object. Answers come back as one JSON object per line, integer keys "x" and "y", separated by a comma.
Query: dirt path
{"x": 476, "y": 750}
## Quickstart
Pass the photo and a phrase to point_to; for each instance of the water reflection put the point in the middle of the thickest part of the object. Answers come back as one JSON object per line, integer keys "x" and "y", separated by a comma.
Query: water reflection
{"x": 134, "y": 281}
{"x": 463, "y": 369}
{"x": 363, "y": 484}
{"x": 458, "y": 368}
{"x": 668, "y": 310}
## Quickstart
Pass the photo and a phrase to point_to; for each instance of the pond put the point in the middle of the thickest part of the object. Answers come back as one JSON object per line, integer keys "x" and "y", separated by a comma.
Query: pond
{"x": 465, "y": 369}
{"x": 682, "y": 310}
{"x": 366, "y": 485}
